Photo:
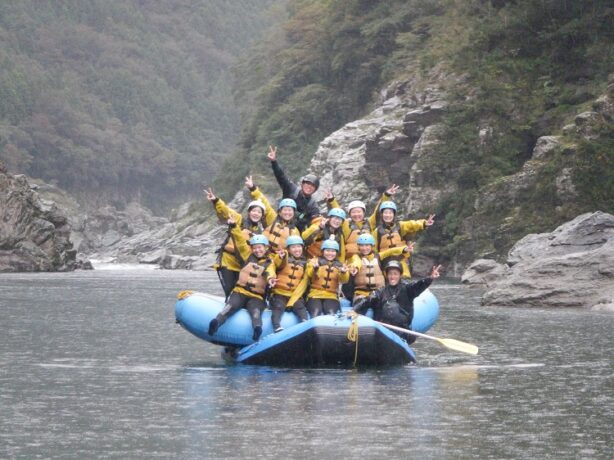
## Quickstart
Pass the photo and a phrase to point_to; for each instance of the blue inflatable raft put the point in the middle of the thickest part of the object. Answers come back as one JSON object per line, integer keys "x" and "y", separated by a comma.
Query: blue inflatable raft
{"x": 324, "y": 340}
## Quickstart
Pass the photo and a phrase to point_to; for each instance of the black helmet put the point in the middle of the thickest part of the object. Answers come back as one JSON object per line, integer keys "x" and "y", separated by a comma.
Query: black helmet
{"x": 393, "y": 264}
{"x": 312, "y": 179}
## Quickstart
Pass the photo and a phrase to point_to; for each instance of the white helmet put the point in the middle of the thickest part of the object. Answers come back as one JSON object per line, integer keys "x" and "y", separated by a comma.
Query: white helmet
{"x": 258, "y": 203}
{"x": 357, "y": 204}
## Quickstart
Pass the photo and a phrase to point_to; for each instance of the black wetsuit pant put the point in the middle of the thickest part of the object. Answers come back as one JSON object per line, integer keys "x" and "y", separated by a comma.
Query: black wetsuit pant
{"x": 278, "y": 306}
{"x": 318, "y": 307}
{"x": 396, "y": 317}
{"x": 237, "y": 301}
{"x": 228, "y": 279}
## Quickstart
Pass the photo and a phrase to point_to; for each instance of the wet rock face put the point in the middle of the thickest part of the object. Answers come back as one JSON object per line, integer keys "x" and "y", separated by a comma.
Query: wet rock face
{"x": 571, "y": 267}
{"x": 34, "y": 234}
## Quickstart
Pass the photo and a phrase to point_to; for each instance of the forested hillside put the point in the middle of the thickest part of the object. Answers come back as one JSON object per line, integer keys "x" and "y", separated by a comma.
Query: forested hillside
{"x": 121, "y": 100}
{"x": 525, "y": 68}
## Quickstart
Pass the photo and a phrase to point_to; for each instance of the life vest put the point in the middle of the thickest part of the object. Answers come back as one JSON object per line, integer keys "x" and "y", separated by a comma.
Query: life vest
{"x": 229, "y": 245}
{"x": 351, "y": 246}
{"x": 326, "y": 276}
{"x": 370, "y": 275}
{"x": 277, "y": 233}
{"x": 252, "y": 277}
{"x": 314, "y": 242}
{"x": 290, "y": 274}
{"x": 389, "y": 237}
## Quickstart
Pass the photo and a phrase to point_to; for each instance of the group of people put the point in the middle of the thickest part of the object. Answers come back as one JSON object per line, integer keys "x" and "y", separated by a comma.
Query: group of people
{"x": 300, "y": 260}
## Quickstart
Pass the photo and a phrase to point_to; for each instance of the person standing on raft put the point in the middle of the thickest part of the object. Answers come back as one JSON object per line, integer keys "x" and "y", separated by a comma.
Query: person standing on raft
{"x": 283, "y": 221}
{"x": 394, "y": 303}
{"x": 306, "y": 206}
{"x": 289, "y": 267}
{"x": 326, "y": 229}
{"x": 391, "y": 233}
{"x": 228, "y": 264}
{"x": 323, "y": 277}
{"x": 249, "y": 291}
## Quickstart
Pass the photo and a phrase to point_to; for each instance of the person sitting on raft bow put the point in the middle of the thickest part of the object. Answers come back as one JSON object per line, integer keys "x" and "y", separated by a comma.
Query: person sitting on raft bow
{"x": 289, "y": 267}
{"x": 391, "y": 233}
{"x": 306, "y": 206}
{"x": 366, "y": 267}
{"x": 249, "y": 291}
{"x": 256, "y": 220}
{"x": 322, "y": 276}
{"x": 326, "y": 229}
{"x": 283, "y": 224}
{"x": 394, "y": 303}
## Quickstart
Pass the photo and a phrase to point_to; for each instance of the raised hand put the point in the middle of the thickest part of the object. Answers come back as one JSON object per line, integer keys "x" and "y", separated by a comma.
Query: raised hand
{"x": 344, "y": 268}
{"x": 323, "y": 223}
{"x": 392, "y": 190}
{"x": 328, "y": 194}
{"x": 431, "y": 220}
{"x": 435, "y": 271}
{"x": 209, "y": 194}
{"x": 281, "y": 253}
{"x": 231, "y": 221}
{"x": 409, "y": 247}
{"x": 249, "y": 183}
{"x": 353, "y": 270}
{"x": 272, "y": 155}
{"x": 272, "y": 282}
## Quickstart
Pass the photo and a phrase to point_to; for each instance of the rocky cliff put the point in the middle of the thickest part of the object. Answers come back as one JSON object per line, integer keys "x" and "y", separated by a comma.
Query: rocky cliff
{"x": 573, "y": 266}
{"x": 34, "y": 233}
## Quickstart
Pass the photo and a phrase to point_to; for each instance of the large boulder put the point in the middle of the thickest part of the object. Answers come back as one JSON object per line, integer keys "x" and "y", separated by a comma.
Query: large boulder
{"x": 571, "y": 267}
{"x": 34, "y": 233}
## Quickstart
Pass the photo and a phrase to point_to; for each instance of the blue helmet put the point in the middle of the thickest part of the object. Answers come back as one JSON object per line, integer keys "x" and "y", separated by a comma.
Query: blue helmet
{"x": 294, "y": 239}
{"x": 366, "y": 238}
{"x": 258, "y": 239}
{"x": 337, "y": 212}
{"x": 388, "y": 205}
{"x": 286, "y": 202}
{"x": 330, "y": 244}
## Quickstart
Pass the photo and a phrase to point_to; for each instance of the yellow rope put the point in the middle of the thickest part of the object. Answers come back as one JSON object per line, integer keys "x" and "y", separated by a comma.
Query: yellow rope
{"x": 353, "y": 334}
{"x": 183, "y": 294}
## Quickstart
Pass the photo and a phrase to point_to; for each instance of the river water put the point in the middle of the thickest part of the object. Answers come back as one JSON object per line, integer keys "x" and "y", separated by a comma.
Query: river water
{"x": 93, "y": 365}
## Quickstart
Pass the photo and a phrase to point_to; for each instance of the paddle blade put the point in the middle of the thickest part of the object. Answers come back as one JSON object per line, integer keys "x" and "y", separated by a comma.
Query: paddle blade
{"x": 459, "y": 346}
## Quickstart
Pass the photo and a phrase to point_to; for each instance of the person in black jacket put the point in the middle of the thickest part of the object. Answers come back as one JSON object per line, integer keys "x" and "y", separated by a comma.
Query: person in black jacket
{"x": 394, "y": 303}
{"x": 306, "y": 206}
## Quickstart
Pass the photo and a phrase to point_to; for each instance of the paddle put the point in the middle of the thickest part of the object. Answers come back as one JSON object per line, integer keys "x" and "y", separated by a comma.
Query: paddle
{"x": 449, "y": 343}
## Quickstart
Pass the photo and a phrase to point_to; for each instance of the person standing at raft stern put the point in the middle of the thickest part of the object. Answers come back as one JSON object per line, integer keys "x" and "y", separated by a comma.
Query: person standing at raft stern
{"x": 228, "y": 264}
{"x": 306, "y": 206}
{"x": 394, "y": 303}
{"x": 250, "y": 288}
{"x": 323, "y": 277}
{"x": 289, "y": 267}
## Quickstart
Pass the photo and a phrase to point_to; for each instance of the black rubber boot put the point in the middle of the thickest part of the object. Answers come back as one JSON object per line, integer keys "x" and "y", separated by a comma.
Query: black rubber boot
{"x": 257, "y": 333}
{"x": 213, "y": 326}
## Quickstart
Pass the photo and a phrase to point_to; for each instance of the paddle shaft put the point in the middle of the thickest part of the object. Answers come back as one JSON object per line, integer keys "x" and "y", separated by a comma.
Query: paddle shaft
{"x": 449, "y": 343}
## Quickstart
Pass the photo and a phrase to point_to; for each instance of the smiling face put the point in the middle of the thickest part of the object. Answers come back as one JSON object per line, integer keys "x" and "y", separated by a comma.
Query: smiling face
{"x": 296, "y": 250}
{"x": 365, "y": 249}
{"x": 255, "y": 213}
{"x": 393, "y": 276}
{"x": 308, "y": 188}
{"x": 286, "y": 213}
{"x": 335, "y": 222}
{"x": 329, "y": 254}
{"x": 357, "y": 214}
{"x": 259, "y": 250}
{"x": 388, "y": 216}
